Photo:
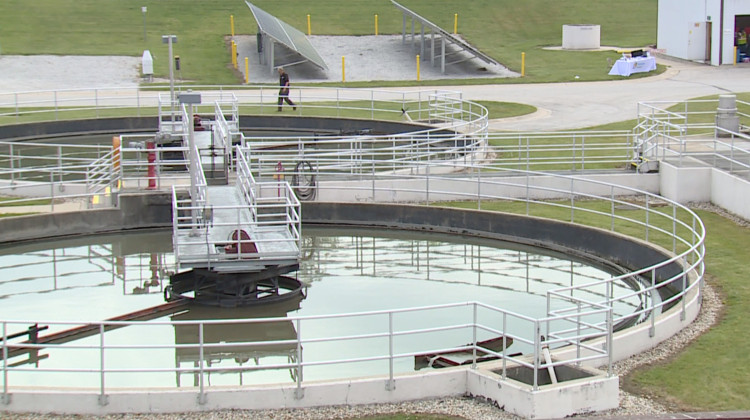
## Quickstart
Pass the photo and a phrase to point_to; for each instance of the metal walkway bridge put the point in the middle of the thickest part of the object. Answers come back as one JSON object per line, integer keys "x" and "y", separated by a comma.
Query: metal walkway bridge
{"x": 227, "y": 222}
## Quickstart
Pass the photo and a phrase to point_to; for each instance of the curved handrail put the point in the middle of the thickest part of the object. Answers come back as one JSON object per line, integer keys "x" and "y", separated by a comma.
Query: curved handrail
{"x": 472, "y": 176}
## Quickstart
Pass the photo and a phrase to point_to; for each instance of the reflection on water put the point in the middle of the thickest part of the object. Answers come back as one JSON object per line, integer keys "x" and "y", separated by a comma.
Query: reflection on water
{"x": 270, "y": 339}
{"x": 345, "y": 271}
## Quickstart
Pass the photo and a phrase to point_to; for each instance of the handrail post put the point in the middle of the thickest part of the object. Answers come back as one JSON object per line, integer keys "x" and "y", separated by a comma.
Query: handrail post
{"x": 652, "y": 329}
{"x": 612, "y": 200}
{"x": 6, "y": 395}
{"x": 610, "y": 333}
{"x": 202, "y": 392}
{"x": 505, "y": 344}
{"x": 103, "y": 399}
{"x": 299, "y": 393}
{"x": 391, "y": 384}
{"x": 537, "y": 352}
{"x": 474, "y": 337}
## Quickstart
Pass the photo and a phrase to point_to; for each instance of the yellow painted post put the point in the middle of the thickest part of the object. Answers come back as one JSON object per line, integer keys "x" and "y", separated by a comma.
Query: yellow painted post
{"x": 234, "y": 54}
{"x": 376, "y": 24}
{"x": 417, "y": 67}
{"x": 309, "y": 30}
{"x": 343, "y": 69}
{"x": 455, "y": 24}
{"x": 735, "y": 56}
{"x": 247, "y": 71}
{"x": 231, "y": 23}
{"x": 523, "y": 64}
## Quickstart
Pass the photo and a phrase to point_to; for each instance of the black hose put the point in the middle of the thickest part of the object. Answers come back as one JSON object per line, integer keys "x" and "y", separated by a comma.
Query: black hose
{"x": 304, "y": 181}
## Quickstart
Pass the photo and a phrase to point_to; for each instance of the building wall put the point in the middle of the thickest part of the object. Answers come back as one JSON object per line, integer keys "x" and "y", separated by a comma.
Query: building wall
{"x": 676, "y": 27}
{"x": 673, "y": 26}
{"x": 731, "y": 9}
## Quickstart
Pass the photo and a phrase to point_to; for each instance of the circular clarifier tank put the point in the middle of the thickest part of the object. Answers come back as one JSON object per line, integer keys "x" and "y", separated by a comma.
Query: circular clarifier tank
{"x": 344, "y": 271}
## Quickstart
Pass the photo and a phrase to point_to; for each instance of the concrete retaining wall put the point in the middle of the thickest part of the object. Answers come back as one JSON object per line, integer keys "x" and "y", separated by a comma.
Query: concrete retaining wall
{"x": 602, "y": 247}
{"x": 136, "y": 211}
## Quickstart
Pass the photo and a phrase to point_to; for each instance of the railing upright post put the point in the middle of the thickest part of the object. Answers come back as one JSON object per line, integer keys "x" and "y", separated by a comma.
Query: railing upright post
{"x": 6, "y": 395}
{"x": 299, "y": 393}
{"x": 648, "y": 211}
{"x": 583, "y": 153}
{"x": 391, "y": 384}
{"x": 427, "y": 180}
{"x": 572, "y": 201}
{"x": 479, "y": 188}
{"x": 674, "y": 228}
{"x": 103, "y": 399}
{"x": 474, "y": 337}
{"x": 537, "y": 353}
{"x": 652, "y": 329}
{"x": 612, "y": 200}
{"x": 52, "y": 190}
{"x": 683, "y": 313}
{"x": 573, "y": 153}
{"x": 505, "y": 344}
{"x": 59, "y": 162}
{"x": 202, "y": 392}
{"x": 12, "y": 165}
{"x": 610, "y": 333}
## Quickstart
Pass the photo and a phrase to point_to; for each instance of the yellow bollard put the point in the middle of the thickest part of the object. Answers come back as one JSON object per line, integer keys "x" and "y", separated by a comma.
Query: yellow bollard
{"x": 234, "y": 54}
{"x": 247, "y": 71}
{"x": 417, "y": 67}
{"x": 455, "y": 24}
{"x": 343, "y": 69}
{"x": 376, "y": 25}
{"x": 523, "y": 64}
{"x": 309, "y": 30}
{"x": 231, "y": 24}
{"x": 735, "y": 56}
{"x": 115, "y": 160}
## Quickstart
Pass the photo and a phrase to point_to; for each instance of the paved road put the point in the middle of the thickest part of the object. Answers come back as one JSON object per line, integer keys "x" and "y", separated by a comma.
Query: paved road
{"x": 565, "y": 106}
{"x": 561, "y": 106}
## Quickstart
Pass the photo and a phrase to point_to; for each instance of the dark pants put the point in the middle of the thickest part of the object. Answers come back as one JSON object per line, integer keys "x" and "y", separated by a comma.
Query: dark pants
{"x": 284, "y": 96}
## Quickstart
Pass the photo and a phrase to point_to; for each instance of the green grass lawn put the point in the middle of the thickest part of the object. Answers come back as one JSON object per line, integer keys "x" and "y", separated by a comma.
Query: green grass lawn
{"x": 713, "y": 373}
{"x": 503, "y": 29}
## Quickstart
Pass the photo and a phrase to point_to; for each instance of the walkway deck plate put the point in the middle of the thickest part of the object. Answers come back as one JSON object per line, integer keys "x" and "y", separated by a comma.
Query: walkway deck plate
{"x": 276, "y": 246}
{"x": 285, "y": 34}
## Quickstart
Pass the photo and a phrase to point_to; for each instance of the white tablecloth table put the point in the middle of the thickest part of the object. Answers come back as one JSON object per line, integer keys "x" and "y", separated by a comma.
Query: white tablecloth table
{"x": 628, "y": 66}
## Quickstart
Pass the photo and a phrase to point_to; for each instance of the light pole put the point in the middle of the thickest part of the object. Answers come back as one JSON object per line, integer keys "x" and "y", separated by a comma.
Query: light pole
{"x": 170, "y": 39}
{"x": 143, "y": 9}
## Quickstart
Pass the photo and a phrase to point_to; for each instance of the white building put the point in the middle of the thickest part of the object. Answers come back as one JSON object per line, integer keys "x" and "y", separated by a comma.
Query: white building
{"x": 701, "y": 30}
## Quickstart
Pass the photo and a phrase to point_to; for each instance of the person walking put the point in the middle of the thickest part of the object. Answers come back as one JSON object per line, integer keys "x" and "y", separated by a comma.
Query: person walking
{"x": 284, "y": 89}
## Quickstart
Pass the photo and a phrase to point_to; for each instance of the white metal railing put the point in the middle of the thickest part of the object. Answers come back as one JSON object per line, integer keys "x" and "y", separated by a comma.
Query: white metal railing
{"x": 581, "y": 319}
{"x": 690, "y": 132}
{"x": 427, "y": 167}
{"x": 262, "y": 207}
{"x": 474, "y": 321}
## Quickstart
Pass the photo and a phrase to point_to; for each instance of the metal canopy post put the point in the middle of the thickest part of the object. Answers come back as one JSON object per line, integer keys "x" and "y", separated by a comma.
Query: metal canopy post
{"x": 442, "y": 54}
{"x": 421, "y": 42}
{"x": 432, "y": 47}
{"x": 462, "y": 45}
